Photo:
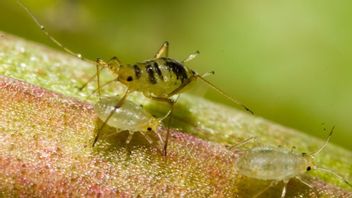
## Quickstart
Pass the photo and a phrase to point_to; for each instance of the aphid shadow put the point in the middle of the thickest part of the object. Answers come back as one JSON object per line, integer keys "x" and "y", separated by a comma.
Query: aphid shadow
{"x": 249, "y": 188}
{"x": 111, "y": 140}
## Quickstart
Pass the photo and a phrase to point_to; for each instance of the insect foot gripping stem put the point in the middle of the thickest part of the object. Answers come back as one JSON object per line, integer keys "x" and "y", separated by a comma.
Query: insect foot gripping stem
{"x": 278, "y": 165}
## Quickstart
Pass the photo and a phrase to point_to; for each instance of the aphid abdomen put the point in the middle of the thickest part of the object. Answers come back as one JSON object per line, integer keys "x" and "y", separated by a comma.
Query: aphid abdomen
{"x": 129, "y": 116}
{"x": 270, "y": 164}
{"x": 157, "y": 77}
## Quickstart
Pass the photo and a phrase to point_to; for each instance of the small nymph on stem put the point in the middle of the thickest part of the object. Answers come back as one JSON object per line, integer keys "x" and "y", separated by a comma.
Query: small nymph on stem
{"x": 279, "y": 165}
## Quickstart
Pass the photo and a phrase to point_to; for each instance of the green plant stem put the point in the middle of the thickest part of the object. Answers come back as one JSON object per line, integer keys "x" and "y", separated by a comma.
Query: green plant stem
{"x": 47, "y": 126}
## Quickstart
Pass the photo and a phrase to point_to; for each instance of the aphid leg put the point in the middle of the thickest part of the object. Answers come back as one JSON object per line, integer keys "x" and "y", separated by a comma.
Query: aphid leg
{"x": 243, "y": 142}
{"x": 90, "y": 79}
{"x": 112, "y": 134}
{"x": 178, "y": 89}
{"x": 103, "y": 85}
{"x": 129, "y": 138}
{"x": 191, "y": 57}
{"x": 283, "y": 193}
{"x": 223, "y": 93}
{"x": 265, "y": 189}
{"x": 168, "y": 129}
{"x": 171, "y": 103}
{"x": 159, "y": 137}
{"x": 163, "y": 51}
{"x": 99, "y": 62}
{"x": 150, "y": 141}
{"x": 118, "y": 105}
{"x": 304, "y": 182}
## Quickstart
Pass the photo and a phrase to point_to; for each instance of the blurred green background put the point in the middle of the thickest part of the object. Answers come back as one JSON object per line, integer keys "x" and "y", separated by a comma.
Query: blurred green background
{"x": 289, "y": 61}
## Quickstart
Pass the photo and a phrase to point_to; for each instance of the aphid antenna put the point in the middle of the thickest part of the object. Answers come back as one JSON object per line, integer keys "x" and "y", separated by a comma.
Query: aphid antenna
{"x": 325, "y": 169}
{"x": 42, "y": 28}
{"x": 224, "y": 94}
{"x": 56, "y": 42}
{"x": 325, "y": 144}
{"x": 246, "y": 141}
{"x": 333, "y": 173}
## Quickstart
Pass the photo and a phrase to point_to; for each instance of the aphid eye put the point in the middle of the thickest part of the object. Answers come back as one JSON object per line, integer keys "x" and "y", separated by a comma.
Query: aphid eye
{"x": 129, "y": 78}
{"x": 149, "y": 129}
{"x": 309, "y": 168}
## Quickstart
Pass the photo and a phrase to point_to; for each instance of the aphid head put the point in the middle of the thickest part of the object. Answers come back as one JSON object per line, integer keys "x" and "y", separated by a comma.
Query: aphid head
{"x": 311, "y": 166}
{"x": 308, "y": 162}
{"x": 309, "y": 158}
{"x": 151, "y": 126}
{"x": 127, "y": 74}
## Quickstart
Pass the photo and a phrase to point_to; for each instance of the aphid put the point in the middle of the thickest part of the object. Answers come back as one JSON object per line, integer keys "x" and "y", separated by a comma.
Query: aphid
{"x": 129, "y": 117}
{"x": 277, "y": 165}
{"x": 159, "y": 78}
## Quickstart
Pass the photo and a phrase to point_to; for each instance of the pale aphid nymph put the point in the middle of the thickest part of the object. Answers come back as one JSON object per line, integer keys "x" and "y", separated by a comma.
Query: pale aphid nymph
{"x": 278, "y": 165}
{"x": 129, "y": 117}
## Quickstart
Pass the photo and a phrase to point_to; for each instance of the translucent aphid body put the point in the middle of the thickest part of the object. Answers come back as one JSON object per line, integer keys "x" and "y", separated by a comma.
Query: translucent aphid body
{"x": 272, "y": 164}
{"x": 278, "y": 165}
{"x": 130, "y": 117}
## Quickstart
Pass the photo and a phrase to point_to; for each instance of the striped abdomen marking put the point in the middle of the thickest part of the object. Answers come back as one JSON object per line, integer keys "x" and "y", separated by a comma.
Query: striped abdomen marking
{"x": 137, "y": 71}
{"x": 162, "y": 70}
{"x": 151, "y": 68}
{"x": 177, "y": 68}
{"x": 157, "y": 70}
{"x": 150, "y": 71}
